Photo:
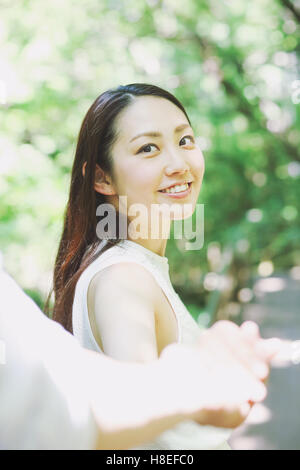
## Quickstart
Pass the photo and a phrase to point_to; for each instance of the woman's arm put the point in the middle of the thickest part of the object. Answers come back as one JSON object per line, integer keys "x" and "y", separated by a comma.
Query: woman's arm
{"x": 122, "y": 298}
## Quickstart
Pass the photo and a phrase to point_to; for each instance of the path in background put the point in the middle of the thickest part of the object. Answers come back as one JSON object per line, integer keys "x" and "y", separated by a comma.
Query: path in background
{"x": 275, "y": 424}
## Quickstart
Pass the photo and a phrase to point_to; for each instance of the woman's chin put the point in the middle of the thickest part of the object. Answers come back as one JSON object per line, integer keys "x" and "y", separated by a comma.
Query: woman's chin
{"x": 182, "y": 211}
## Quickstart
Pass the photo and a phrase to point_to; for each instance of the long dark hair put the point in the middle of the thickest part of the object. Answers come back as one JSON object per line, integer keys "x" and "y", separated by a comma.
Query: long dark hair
{"x": 79, "y": 241}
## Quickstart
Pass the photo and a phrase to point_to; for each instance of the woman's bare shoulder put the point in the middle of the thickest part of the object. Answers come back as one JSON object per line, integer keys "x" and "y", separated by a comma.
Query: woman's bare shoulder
{"x": 125, "y": 275}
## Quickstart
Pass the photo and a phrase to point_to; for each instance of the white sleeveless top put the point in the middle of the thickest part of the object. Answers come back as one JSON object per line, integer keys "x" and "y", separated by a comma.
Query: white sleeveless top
{"x": 187, "y": 435}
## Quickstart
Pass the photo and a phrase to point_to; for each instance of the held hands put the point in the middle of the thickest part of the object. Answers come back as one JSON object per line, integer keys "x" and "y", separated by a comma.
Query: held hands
{"x": 226, "y": 372}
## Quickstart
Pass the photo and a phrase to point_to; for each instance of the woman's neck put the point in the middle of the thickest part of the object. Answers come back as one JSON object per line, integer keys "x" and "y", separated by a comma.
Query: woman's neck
{"x": 157, "y": 246}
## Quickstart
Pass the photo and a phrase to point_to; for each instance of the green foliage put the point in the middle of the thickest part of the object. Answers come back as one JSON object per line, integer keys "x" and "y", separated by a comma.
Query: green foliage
{"x": 233, "y": 64}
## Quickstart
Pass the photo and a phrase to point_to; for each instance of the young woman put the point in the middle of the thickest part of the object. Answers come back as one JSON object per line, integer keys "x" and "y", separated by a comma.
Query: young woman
{"x": 113, "y": 291}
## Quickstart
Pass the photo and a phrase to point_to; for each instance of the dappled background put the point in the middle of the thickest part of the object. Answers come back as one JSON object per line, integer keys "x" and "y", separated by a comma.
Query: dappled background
{"x": 235, "y": 66}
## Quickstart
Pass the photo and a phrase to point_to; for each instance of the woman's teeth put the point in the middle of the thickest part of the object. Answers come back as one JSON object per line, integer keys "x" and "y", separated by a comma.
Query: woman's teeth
{"x": 176, "y": 189}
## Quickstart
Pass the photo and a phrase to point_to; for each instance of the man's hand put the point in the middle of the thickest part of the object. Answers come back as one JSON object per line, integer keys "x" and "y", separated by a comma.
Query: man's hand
{"x": 224, "y": 375}
{"x": 246, "y": 344}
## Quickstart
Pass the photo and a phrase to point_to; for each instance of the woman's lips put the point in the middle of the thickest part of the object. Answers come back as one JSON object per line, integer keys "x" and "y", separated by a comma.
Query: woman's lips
{"x": 179, "y": 195}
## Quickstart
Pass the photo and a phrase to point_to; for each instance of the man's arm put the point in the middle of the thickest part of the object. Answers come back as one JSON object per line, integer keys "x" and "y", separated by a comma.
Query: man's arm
{"x": 185, "y": 383}
{"x": 52, "y": 397}
{"x": 43, "y": 401}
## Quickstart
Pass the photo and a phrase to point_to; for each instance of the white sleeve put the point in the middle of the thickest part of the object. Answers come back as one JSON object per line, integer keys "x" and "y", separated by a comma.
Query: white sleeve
{"x": 43, "y": 400}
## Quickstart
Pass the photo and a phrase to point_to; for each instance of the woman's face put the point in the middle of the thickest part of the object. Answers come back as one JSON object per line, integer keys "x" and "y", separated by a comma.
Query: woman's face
{"x": 144, "y": 165}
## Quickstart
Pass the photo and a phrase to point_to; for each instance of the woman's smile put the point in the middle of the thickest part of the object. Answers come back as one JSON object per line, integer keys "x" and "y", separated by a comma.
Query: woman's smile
{"x": 178, "y": 191}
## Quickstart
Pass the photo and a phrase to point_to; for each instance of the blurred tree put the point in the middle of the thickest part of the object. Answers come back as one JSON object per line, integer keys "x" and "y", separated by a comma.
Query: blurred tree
{"x": 234, "y": 65}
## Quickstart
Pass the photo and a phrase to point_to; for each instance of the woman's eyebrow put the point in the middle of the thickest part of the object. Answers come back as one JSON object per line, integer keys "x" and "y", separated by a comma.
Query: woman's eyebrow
{"x": 158, "y": 134}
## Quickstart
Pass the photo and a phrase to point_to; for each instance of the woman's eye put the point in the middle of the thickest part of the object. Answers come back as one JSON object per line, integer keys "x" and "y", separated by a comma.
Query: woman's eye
{"x": 188, "y": 137}
{"x": 146, "y": 148}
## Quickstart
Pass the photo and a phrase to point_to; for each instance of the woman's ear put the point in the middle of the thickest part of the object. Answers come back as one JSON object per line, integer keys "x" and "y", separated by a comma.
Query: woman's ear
{"x": 103, "y": 183}
{"x": 83, "y": 169}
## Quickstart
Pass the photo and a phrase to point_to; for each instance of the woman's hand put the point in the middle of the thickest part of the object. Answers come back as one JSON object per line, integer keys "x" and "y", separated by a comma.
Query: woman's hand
{"x": 224, "y": 374}
{"x": 247, "y": 346}
{"x": 267, "y": 349}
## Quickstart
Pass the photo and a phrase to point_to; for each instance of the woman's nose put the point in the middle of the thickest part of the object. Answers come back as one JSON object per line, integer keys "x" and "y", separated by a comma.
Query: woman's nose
{"x": 176, "y": 164}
